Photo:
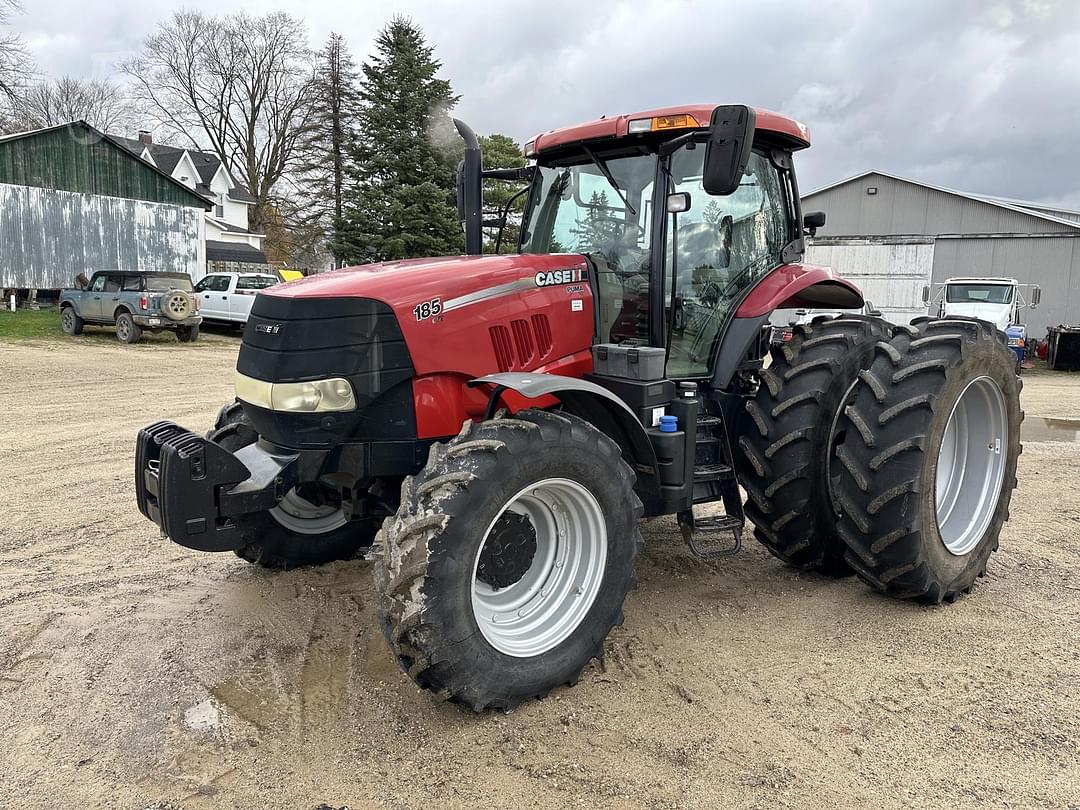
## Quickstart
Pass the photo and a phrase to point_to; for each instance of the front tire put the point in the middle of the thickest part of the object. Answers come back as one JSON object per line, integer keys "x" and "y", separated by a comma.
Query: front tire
{"x": 508, "y": 561}
{"x": 297, "y": 532}
{"x": 127, "y": 331}
{"x": 787, "y": 445}
{"x": 928, "y": 462}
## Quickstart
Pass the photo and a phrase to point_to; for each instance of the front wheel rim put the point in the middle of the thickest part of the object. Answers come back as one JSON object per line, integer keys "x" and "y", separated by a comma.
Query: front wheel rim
{"x": 553, "y": 596}
{"x": 971, "y": 466}
{"x": 67, "y": 321}
{"x": 297, "y": 514}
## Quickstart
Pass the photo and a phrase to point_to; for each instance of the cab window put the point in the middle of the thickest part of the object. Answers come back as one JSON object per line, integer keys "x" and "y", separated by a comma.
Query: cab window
{"x": 716, "y": 250}
{"x": 112, "y": 283}
{"x": 132, "y": 283}
{"x": 213, "y": 284}
{"x": 98, "y": 284}
{"x": 255, "y": 282}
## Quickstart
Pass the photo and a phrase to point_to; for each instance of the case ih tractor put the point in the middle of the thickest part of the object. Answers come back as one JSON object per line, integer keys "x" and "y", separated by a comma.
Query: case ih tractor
{"x": 497, "y": 425}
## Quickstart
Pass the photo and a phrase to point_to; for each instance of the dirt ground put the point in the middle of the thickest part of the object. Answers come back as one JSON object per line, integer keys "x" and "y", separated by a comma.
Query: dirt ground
{"x": 136, "y": 674}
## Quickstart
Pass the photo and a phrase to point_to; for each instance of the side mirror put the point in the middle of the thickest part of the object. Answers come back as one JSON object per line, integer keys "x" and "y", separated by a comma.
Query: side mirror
{"x": 813, "y": 220}
{"x": 731, "y": 139}
{"x": 870, "y": 309}
{"x": 678, "y": 203}
{"x": 926, "y": 294}
{"x": 1036, "y": 296}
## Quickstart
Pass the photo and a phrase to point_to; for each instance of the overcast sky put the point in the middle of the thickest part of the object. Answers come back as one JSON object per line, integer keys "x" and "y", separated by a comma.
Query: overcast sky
{"x": 969, "y": 94}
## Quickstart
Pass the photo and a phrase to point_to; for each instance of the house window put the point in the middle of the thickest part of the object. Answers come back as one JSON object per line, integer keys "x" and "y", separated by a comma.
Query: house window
{"x": 219, "y": 208}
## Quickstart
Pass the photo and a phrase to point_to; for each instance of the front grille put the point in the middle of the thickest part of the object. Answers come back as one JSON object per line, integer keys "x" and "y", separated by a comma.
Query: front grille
{"x": 297, "y": 339}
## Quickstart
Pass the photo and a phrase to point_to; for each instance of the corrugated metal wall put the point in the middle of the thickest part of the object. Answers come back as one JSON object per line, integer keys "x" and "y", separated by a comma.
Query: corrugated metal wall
{"x": 900, "y": 208}
{"x": 76, "y": 158}
{"x": 48, "y": 237}
{"x": 971, "y": 238}
{"x": 1052, "y": 263}
{"x": 890, "y": 275}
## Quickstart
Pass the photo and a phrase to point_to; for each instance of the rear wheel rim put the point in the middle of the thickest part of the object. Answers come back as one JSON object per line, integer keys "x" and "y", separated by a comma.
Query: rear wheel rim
{"x": 297, "y": 514}
{"x": 971, "y": 466}
{"x": 122, "y": 328}
{"x": 555, "y": 593}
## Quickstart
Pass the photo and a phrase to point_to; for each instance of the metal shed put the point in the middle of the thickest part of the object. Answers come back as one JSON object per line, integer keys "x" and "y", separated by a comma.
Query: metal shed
{"x": 74, "y": 201}
{"x": 893, "y": 235}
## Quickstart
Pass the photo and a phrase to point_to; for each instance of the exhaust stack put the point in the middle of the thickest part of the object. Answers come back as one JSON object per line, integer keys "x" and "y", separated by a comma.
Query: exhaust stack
{"x": 470, "y": 195}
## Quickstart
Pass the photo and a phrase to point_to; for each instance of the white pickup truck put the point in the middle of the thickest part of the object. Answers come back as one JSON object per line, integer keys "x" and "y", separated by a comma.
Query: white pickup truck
{"x": 229, "y": 296}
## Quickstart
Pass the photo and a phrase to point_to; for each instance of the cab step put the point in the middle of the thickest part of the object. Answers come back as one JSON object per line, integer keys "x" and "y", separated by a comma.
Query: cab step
{"x": 698, "y": 531}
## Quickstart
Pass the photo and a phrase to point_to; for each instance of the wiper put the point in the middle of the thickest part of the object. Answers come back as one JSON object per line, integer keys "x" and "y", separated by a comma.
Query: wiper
{"x": 607, "y": 175}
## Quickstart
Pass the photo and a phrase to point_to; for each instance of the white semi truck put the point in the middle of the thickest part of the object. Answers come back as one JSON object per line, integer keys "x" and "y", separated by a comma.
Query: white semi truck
{"x": 1000, "y": 301}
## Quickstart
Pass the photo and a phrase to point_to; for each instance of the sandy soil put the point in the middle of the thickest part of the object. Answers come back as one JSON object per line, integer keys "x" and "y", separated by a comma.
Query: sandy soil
{"x": 135, "y": 674}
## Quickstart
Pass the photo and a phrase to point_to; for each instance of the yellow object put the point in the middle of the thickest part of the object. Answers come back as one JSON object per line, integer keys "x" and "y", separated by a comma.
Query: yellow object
{"x": 290, "y": 275}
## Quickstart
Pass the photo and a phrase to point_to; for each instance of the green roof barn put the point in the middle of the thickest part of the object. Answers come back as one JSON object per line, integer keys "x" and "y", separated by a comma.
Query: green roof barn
{"x": 73, "y": 201}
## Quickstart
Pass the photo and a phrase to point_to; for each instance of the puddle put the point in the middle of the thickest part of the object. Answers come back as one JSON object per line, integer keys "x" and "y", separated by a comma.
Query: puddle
{"x": 1041, "y": 429}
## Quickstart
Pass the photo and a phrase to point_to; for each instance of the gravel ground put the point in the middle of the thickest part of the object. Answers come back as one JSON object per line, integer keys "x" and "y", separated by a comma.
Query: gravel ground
{"x": 136, "y": 674}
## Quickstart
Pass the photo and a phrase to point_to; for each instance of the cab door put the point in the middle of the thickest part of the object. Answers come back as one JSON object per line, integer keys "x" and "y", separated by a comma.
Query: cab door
{"x": 243, "y": 295}
{"x": 90, "y": 307}
{"x": 214, "y": 292}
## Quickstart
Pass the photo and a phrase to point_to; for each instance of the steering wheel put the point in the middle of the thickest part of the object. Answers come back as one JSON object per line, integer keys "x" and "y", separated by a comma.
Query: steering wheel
{"x": 628, "y": 230}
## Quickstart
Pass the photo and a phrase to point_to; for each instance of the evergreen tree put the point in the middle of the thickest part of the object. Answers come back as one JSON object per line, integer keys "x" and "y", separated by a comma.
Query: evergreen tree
{"x": 599, "y": 228}
{"x": 327, "y": 134}
{"x": 400, "y": 189}
{"x": 502, "y": 152}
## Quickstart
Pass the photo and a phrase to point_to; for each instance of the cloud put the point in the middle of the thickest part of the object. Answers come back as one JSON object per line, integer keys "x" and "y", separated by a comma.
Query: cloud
{"x": 979, "y": 96}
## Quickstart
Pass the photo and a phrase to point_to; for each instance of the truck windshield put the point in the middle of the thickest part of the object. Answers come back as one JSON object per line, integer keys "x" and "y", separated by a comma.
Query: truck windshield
{"x": 574, "y": 209}
{"x": 166, "y": 283}
{"x": 978, "y": 294}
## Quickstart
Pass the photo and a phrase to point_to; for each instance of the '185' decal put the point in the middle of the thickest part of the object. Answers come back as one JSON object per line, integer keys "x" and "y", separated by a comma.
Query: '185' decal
{"x": 427, "y": 309}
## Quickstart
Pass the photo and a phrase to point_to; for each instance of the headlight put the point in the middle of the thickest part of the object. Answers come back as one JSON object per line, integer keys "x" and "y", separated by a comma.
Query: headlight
{"x": 310, "y": 397}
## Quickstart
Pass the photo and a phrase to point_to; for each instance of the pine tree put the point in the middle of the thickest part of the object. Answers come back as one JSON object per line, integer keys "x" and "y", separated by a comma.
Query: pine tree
{"x": 330, "y": 129}
{"x": 399, "y": 199}
{"x": 502, "y": 152}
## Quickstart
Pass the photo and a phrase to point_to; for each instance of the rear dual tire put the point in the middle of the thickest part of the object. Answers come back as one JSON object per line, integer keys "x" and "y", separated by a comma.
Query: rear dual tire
{"x": 785, "y": 447}
{"x": 927, "y": 466}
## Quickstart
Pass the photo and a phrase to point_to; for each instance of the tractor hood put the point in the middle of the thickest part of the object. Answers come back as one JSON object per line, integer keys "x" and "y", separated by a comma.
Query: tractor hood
{"x": 467, "y": 315}
{"x": 405, "y": 284}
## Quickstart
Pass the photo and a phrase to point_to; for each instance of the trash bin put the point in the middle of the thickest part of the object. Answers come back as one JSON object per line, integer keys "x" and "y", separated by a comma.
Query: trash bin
{"x": 1063, "y": 353}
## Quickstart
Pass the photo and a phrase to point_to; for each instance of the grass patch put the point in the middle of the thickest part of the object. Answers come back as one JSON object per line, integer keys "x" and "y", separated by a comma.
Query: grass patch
{"x": 29, "y": 323}
{"x": 44, "y": 324}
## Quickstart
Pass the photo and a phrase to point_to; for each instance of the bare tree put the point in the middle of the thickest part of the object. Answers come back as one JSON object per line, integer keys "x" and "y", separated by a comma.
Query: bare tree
{"x": 237, "y": 84}
{"x": 16, "y": 66}
{"x": 98, "y": 102}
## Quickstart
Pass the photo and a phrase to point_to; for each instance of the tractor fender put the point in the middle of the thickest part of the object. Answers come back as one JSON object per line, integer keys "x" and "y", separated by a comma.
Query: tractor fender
{"x": 597, "y": 406}
{"x": 803, "y": 286}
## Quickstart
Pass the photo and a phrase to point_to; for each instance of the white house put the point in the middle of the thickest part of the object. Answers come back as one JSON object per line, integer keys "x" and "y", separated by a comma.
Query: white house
{"x": 228, "y": 239}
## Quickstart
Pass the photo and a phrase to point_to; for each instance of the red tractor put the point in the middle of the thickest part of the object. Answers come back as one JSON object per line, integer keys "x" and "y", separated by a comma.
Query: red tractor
{"x": 498, "y": 424}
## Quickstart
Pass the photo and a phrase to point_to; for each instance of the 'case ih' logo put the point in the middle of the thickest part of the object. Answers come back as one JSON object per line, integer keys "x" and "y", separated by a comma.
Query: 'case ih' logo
{"x": 268, "y": 328}
{"x": 551, "y": 278}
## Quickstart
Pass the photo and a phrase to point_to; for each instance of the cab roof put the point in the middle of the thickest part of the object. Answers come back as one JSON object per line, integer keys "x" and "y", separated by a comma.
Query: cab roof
{"x": 788, "y": 131}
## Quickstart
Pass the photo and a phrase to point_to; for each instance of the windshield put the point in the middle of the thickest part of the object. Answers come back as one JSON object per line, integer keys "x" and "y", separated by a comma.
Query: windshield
{"x": 576, "y": 209}
{"x": 166, "y": 283}
{"x": 978, "y": 293}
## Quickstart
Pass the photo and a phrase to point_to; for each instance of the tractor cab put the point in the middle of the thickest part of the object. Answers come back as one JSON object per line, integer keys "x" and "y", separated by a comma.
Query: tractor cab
{"x": 679, "y": 213}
